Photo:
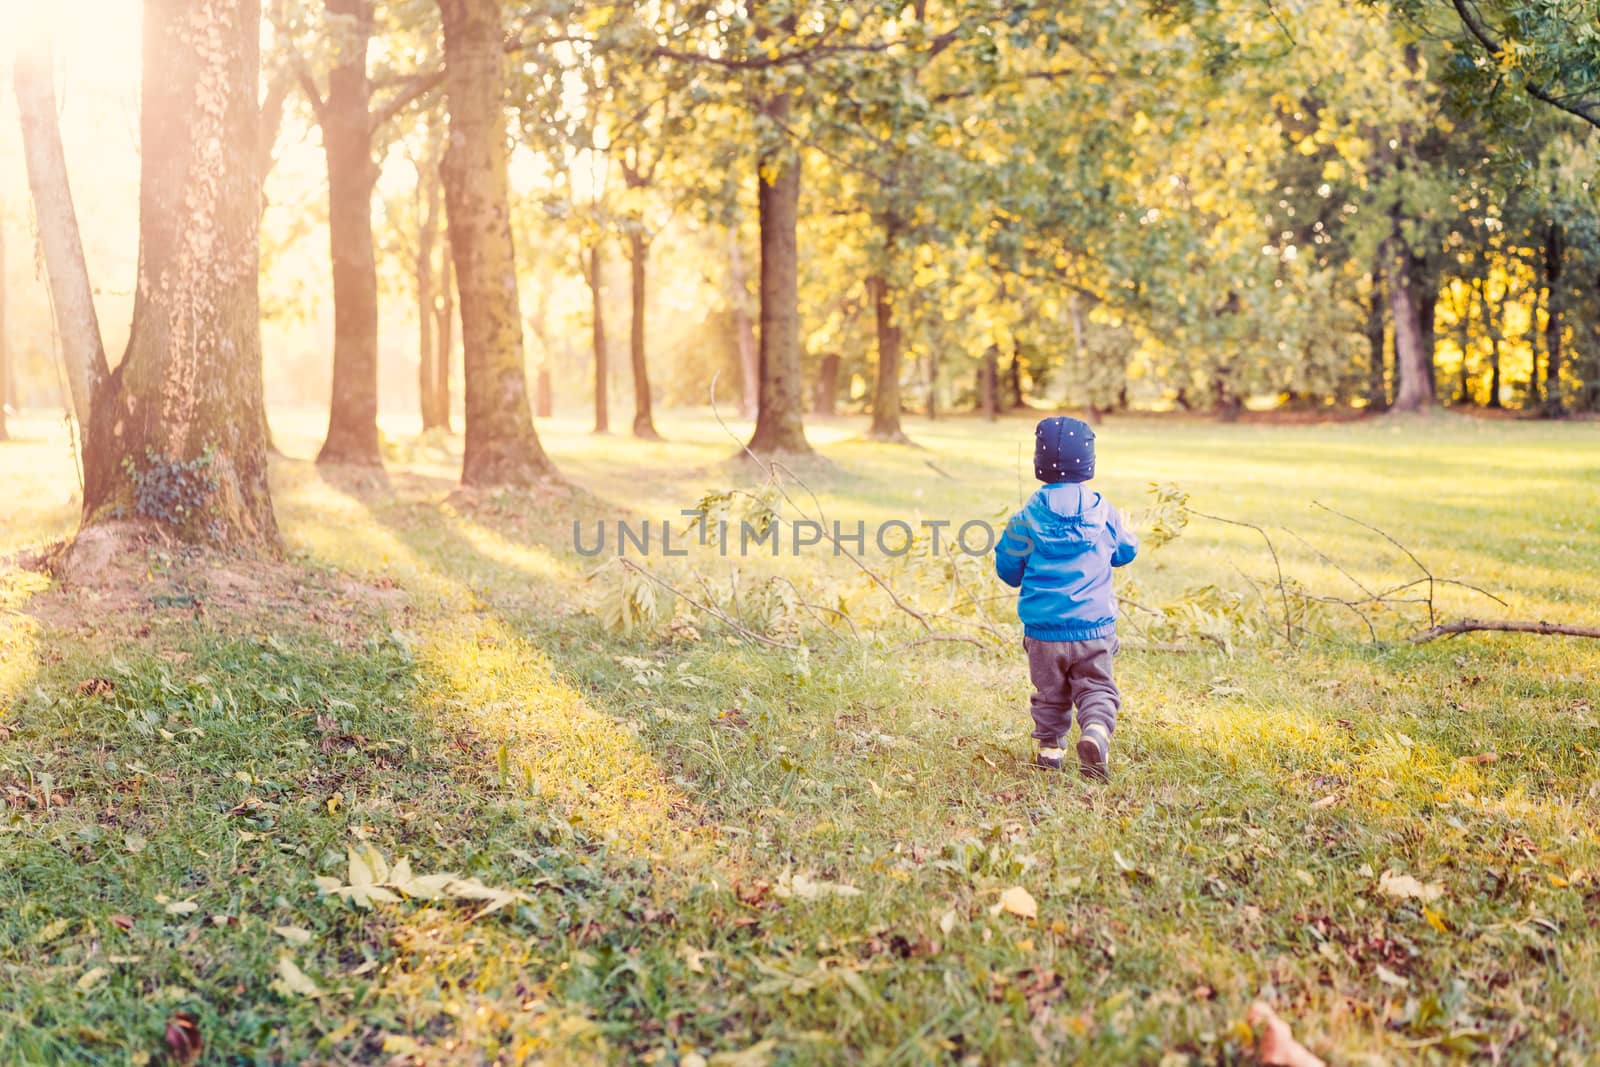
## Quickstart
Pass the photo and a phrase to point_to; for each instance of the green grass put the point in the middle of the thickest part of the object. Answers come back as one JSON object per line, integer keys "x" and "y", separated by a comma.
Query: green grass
{"x": 427, "y": 673}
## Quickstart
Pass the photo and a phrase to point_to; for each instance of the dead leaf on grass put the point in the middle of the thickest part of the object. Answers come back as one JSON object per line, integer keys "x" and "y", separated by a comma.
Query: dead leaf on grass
{"x": 184, "y": 1042}
{"x": 96, "y": 687}
{"x": 1019, "y": 902}
{"x": 1405, "y": 887}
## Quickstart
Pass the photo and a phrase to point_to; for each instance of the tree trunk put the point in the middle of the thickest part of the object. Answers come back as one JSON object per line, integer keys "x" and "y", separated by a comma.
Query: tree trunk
{"x": 1413, "y": 359}
{"x": 347, "y": 142}
{"x": 5, "y": 361}
{"x": 78, "y": 325}
{"x": 1014, "y": 376}
{"x": 444, "y": 333}
{"x": 1425, "y": 287}
{"x": 427, "y": 348}
{"x": 1377, "y": 386}
{"x": 544, "y": 402}
{"x": 825, "y": 400}
{"x": 175, "y": 432}
{"x": 933, "y": 383}
{"x": 886, "y": 397}
{"x": 596, "y": 278}
{"x": 989, "y": 383}
{"x": 643, "y": 424}
{"x": 502, "y": 447}
{"x": 1492, "y": 318}
{"x": 779, "y": 425}
{"x": 744, "y": 329}
{"x": 1555, "y": 247}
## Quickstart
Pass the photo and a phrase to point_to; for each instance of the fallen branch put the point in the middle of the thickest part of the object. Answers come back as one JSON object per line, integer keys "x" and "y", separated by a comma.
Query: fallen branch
{"x": 1515, "y": 626}
{"x": 721, "y": 616}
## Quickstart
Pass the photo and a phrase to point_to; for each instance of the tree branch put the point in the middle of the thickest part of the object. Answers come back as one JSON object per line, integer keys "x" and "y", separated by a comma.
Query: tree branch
{"x": 1465, "y": 626}
{"x": 419, "y": 85}
{"x": 1470, "y": 18}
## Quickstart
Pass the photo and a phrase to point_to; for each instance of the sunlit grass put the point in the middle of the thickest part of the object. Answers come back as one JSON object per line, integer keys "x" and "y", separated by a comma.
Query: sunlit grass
{"x": 649, "y": 794}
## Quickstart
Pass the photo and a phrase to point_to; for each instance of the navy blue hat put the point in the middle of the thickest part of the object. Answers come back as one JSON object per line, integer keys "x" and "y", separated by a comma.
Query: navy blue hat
{"x": 1063, "y": 450}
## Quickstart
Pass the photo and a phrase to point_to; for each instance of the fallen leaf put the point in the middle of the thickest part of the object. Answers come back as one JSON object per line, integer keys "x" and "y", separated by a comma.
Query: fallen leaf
{"x": 1481, "y": 758}
{"x": 1405, "y": 887}
{"x": 50, "y": 931}
{"x": 1275, "y": 1043}
{"x": 1435, "y": 920}
{"x": 295, "y": 935}
{"x": 92, "y": 978}
{"x": 292, "y": 979}
{"x": 800, "y": 887}
{"x": 1019, "y": 902}
{"x": 1388, "y": 977}
{"x": 183, "y": 1038}
{"x": 121, "y": 922}
{"x": 182, "y": 907}
{"x": 1326, "y": 802}
{"x": 96, "y": 687}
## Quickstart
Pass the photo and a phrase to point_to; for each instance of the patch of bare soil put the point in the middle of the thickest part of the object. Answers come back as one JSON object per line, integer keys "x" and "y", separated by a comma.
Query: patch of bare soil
{"x": 122, "y": 581}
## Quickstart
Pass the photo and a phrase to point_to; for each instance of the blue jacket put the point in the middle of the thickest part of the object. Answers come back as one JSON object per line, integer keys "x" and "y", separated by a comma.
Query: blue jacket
{"x": 1060, "y": 549}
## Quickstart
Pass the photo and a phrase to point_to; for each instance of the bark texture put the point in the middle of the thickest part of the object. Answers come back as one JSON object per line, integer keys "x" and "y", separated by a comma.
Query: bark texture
{"x": 347, "y": 141}
{"x": 77, "y": 323}
{"x": 644, "y": 426}
{"x": 886, "y": 397}
{"x": 779, "y": 424}
{"x": 175, "y": 435}
{"x": 502, "y": 447}
{"x": 1412, "y": 356}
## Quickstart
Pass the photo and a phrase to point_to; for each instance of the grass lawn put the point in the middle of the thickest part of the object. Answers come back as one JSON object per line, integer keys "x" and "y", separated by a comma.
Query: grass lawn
{"x": 680, "y": 845}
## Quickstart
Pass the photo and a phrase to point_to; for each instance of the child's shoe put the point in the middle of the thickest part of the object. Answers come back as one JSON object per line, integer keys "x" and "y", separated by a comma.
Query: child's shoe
{"x": 1050, "y": 759}
{"x": 1093, "y": 747}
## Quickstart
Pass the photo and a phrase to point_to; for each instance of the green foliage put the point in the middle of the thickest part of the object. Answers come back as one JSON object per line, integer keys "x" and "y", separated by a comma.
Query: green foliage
{"x": 171, "y": 491}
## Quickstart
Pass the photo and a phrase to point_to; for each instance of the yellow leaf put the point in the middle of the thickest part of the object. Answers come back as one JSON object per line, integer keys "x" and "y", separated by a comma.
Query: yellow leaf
{"x": 1019, "y": 902}
{"x": 295, "y": 935}
{"x": 293, "y": 980}
{"x": 91, "y": 978}
{"x": 1405, "y": 887}
{"x": 1558, "y": 881}
{"x": 1435, "y": 920}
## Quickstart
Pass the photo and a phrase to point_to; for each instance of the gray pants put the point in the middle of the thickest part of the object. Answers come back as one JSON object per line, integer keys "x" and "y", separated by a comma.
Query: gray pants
{"x": 1067, "y": 673}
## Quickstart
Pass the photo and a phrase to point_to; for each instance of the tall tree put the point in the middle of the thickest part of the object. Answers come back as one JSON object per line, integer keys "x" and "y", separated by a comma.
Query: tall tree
{"x": 502, "y": 447}
{"x": 433, "y": 352}
{"x": 5, "y": 354}
{"x": 595, "y": 271}
{"x": 351, "y": 119}
{"x": 779, "y": 424}
{"x": 175, "y": 432}
{"x": 71, "y": 295}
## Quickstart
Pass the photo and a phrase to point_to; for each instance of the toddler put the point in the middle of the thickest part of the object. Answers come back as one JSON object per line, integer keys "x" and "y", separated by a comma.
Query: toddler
{"x": 1060, "y": 549}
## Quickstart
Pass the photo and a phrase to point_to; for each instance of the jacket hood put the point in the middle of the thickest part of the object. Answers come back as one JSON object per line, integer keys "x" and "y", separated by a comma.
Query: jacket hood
{"x": 1066, "y": 517}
